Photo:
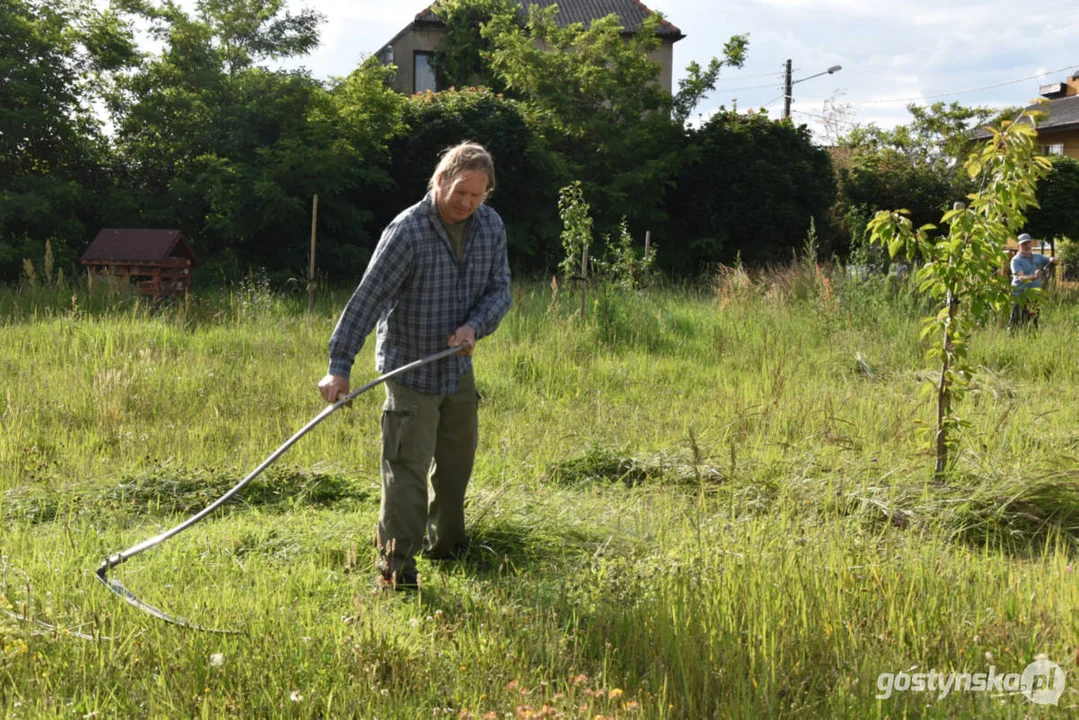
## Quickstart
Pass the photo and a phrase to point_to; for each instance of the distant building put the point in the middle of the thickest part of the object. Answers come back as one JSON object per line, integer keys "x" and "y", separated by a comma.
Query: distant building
{"x": 157, "y": 262}
{"x": 413, "y": 49}
{"x": 1058, "y": 134}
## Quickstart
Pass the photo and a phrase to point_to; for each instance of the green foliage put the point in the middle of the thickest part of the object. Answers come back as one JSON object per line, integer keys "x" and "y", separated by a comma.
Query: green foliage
{"x": 576, "y": 229}
{"x": 246, "y": 31}
{"x": 595, "y": 96}
{"x": 623, "y": 266}
{"x": 1057, "y": 212}
{"x": 1068, "y": 252}
{"x": 581, "y": 78}
{"x": 749, "y": 185}
{"x": 697, "y": 83}
{"x": 210, "y": 141}
{"x": 962, "y": 268}
{"x": 887, "y": 181}
{"x": 937, "y": 138}
{"x": 461, "y": 58}
{"x": 596, "y": 100}
{"x": 527, "y": 173}
{"x": 915, "y": 166}
{"x": 864, "y": 257}
{"x": 51, "y": 145}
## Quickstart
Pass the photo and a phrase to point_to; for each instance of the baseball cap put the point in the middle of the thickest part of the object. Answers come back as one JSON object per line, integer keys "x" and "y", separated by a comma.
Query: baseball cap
{"x": 1025, "y": 237}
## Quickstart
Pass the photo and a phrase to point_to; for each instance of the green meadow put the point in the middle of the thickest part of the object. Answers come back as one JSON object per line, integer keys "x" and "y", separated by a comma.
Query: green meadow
{"x": 693, "y": 502}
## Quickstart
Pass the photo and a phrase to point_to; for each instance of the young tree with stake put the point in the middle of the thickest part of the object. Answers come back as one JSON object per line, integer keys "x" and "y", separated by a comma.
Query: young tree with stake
{"x": 962, "y": 268}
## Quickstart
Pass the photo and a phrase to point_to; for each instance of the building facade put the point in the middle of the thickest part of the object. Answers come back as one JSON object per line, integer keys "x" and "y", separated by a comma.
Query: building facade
{"x": 413, "y": 49}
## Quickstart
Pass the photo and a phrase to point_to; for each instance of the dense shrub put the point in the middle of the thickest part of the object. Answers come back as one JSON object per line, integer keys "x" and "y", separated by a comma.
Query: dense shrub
{"x": 526, "y": 195}
{"x": 749, "y": 185}
{"x": 1057, "y": 212}
{"x": 1068, "y": 252}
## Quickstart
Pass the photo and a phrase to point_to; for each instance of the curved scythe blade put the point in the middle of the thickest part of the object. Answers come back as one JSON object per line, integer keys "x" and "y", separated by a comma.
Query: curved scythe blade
{"x": 121, "y": 557}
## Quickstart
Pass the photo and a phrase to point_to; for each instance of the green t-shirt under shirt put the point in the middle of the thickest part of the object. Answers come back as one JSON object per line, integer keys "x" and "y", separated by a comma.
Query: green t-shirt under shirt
{"x": 457, "y": 233}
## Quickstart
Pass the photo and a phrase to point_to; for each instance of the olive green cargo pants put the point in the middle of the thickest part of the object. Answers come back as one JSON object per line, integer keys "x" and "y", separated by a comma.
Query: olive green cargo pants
{"x": 416, "y": 429}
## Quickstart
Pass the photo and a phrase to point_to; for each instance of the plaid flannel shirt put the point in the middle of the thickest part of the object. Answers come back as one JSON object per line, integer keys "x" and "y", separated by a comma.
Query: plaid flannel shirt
{"x": 418, "y": 294}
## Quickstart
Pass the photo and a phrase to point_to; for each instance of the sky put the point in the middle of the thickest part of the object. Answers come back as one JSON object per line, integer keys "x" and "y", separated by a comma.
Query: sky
{"x": 988, "y": 53}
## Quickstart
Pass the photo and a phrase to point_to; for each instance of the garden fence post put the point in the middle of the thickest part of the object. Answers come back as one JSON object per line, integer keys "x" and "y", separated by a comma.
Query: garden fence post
{"x": 311, "y": 269}
{"x": 584, "y": 277}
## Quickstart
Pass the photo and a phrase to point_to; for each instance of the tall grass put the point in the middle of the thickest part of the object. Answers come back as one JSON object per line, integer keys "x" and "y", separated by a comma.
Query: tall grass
{"x": 697, "y": 502}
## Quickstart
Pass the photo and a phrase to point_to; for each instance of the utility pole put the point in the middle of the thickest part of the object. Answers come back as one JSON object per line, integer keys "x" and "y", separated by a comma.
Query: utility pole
{"x": 788, "y": 84}
{"x": 787, "y": 91}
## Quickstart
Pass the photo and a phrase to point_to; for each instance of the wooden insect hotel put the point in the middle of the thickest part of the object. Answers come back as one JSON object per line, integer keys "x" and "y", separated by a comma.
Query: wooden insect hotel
{"x": 157, "y": 262}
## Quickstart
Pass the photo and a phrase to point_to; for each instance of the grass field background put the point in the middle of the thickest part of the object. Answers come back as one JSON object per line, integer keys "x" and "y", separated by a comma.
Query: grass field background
{"x": 695, "y": 502}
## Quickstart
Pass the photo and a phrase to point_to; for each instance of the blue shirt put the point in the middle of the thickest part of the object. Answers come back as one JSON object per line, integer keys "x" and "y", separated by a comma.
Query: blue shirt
{"x": 1026, "y": 266}
{"x": 419, "y": 294}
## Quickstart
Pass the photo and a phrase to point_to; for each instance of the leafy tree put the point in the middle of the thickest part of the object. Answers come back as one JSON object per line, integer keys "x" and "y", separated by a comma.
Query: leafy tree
{"x": 460, "y": 61}
{"x": 698, "y": 83}
{"x": 580, "y": 77}
{"x": 56, "y": 58}
{"x": 917, "y": 166}
{"x": 938, "y": 137}
{"x": 750, "y": 186}
{"x": 246, "y": 31}
{"x": 595, "y": 96}
{"x": 368, "y": 115}
{"x": 213, "y": 142}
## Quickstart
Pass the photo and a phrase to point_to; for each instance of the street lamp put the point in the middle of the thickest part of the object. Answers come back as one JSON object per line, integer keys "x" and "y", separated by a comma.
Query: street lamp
{"x": 788, "y": 82}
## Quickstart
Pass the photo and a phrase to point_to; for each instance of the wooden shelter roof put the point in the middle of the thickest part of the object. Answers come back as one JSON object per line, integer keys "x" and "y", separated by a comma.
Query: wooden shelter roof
{"x": 137, "y": 245}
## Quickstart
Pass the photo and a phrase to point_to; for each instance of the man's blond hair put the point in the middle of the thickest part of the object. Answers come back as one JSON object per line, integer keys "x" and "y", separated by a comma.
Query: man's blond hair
{"x": 465, "y": 157}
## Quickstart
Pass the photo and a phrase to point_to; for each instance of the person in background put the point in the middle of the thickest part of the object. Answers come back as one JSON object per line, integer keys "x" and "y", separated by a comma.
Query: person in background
{"x": 438, "y": 276}
{"x": 1028, "y": 268}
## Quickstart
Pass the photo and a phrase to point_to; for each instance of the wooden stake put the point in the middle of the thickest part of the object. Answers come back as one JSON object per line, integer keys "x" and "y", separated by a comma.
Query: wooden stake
{"x": 584, "y": 277}
{"x": 311, "y": 270}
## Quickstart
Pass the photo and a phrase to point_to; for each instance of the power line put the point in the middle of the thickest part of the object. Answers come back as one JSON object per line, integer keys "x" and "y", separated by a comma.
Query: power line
{"x": 803, "y": 112}
{"x": 777, "y": 97}
{"x": 838, "y": 121}
{"x": 954, "y": 92}
{"x": 752, "y": 87}
{"x": 757, "y": 75}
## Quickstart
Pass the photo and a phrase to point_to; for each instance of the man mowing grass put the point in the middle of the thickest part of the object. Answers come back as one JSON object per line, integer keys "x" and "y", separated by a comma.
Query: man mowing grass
{"x": 438, "y": 275}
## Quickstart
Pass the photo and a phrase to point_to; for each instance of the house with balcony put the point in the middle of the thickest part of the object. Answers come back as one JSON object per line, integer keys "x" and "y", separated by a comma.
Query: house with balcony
{"x": 413, "y": 49}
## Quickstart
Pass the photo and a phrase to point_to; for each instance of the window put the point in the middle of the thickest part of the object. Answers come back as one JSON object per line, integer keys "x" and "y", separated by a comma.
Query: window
{"x": 423, "y": 72}
{"x": 1057, "y": 149}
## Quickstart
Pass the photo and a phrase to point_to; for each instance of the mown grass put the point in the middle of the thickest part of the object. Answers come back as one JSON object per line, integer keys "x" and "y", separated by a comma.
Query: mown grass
{"x": 694, "y": 503}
